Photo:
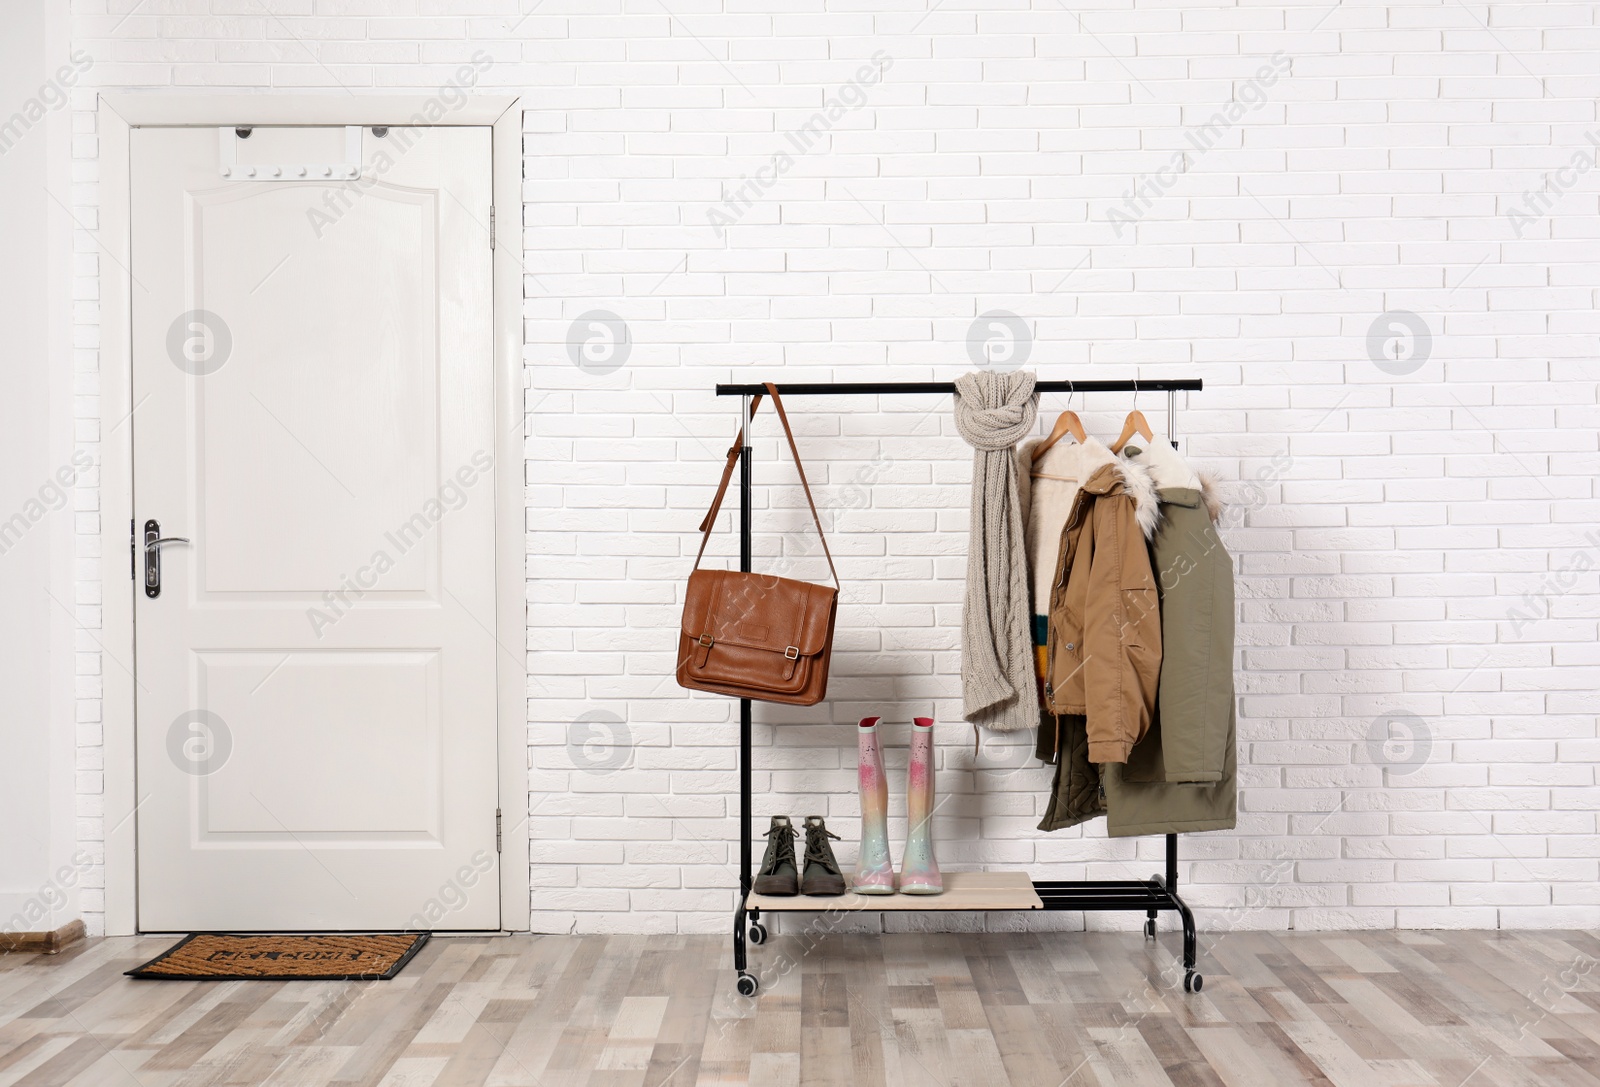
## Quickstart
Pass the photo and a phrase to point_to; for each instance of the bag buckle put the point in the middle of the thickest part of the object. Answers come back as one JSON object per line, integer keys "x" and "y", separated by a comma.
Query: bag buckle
{"x": 706, "y": 640}
{"x": 792, "y": 653}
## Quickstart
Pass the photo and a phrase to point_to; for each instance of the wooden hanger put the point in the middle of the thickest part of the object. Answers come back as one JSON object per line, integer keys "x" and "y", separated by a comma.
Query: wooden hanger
{"x": 1066, "y": 423}
{"x": 1136, "y": 423}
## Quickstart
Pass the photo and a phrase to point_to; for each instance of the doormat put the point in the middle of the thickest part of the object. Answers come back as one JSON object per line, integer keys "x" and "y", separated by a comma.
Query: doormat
{"x": 217, "y": 956}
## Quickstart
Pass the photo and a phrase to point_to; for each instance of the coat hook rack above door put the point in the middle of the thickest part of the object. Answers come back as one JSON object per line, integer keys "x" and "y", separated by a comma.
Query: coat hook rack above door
{"x": 232, "y": 170}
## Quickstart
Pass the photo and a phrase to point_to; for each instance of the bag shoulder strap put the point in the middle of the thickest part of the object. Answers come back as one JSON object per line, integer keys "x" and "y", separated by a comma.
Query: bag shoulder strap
{"x": 772, "y": 391}
{"x": 733, "y": 460}
{"x": 727, "y": 474}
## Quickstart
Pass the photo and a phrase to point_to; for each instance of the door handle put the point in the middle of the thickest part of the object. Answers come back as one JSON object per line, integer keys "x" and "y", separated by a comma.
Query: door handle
{"x": 152, "y": 556}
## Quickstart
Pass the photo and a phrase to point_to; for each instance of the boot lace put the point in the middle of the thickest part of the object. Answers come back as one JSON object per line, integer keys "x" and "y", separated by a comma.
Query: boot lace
{"x": 818, "y": 851}
{"x": 781, "y": 848}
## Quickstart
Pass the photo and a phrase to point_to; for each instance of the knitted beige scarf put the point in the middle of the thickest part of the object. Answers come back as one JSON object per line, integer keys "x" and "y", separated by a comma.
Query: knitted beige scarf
{"x": 993, "y": 412}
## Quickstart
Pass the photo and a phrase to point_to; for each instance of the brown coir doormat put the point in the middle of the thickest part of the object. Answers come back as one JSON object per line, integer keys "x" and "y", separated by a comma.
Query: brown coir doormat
{"x": 215, "y": 956}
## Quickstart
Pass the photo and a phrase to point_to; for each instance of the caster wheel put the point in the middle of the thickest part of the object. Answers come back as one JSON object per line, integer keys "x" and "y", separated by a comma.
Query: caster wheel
{"x": 1150, "y": 928}
{"x": 748, "y": 985}
{"x": 1193, "y": 983}
{"x": 758, "y": 934}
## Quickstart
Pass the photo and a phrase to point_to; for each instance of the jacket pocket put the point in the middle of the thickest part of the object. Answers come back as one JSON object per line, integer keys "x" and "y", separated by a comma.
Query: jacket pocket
{"x": 1064, "y": 666}
{"x": 1141, "y": 617}
{"x": 1141, "y": 657}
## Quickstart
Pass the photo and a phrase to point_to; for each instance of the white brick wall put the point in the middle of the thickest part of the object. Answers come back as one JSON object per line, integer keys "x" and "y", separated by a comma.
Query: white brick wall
{"x": 1413, "y": 543}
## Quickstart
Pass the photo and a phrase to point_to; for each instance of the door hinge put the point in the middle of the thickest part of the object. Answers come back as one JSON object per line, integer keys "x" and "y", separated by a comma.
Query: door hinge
{"x": 497, "y": 822}
{"x": 491, "y": 227}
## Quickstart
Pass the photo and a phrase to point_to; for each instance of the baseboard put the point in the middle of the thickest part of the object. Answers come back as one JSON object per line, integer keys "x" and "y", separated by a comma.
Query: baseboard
{"x": 46, "y": 943}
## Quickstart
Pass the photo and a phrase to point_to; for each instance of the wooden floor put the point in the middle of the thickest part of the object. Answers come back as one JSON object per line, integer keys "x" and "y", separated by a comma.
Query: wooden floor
{"x": 1457, "y": 1009}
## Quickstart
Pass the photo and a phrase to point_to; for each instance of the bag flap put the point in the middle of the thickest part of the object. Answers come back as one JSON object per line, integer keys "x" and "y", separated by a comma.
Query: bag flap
{"x": 758, "y": 611}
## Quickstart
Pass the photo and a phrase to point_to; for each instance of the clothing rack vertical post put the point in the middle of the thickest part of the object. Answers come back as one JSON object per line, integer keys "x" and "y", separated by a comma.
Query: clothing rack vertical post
{"x": 1153, "y": 895}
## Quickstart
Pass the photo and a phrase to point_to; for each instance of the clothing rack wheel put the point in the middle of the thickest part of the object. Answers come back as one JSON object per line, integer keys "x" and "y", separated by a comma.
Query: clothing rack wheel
{"x": 1158, "y": 893}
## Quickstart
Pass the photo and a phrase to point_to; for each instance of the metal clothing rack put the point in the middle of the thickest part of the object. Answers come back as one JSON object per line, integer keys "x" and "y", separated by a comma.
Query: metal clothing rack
{"x": 1153, "y": 895}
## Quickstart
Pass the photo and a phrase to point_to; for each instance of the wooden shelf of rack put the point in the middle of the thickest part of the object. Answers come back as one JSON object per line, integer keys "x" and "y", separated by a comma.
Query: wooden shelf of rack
{"x": 962, "y": 891}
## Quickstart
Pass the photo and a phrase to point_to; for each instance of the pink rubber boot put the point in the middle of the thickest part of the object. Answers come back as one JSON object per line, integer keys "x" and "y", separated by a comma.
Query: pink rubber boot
{"x": 874, "y": 868}
{"x": 919, "y": 874}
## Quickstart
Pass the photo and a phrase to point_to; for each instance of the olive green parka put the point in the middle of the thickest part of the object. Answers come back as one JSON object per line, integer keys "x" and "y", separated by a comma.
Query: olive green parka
{"x": 1183, "y": 775}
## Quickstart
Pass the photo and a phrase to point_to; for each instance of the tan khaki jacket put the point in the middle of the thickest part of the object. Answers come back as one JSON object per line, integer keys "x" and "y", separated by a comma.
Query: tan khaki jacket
{"x": 1103, "y": 655}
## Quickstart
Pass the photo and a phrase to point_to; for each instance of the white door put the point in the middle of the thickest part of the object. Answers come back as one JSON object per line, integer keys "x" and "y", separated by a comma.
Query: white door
{"x": 313, "y": 393}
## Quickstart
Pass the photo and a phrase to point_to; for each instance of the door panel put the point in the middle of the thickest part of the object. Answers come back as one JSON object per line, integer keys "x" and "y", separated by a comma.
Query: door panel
{"x": 333, "y": 704}
{"x": 316, "y": 680}
{"x": 364, "y": 367}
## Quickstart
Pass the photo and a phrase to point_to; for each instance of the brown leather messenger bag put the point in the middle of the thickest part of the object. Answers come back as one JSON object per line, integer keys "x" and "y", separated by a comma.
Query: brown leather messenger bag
{"x": 757, "y": 635}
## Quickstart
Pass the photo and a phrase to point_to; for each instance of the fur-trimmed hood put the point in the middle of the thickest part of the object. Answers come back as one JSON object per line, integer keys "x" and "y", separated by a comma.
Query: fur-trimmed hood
{"x": 1138, "y": 482}
{"x": 1171, "y": 472}
{"x": 1047, "y": 488}
{"x": 1211, "y": 493}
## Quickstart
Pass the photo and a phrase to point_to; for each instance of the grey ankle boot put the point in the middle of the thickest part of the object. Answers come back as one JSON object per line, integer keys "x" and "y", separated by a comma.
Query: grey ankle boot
{"x": 778, "y": 874}
{"x": 822, "y": 869}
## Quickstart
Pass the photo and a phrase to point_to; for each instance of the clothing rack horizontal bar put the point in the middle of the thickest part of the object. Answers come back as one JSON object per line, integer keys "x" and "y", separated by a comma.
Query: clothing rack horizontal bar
{"x": 896, "y": 388}
{"x": 1089, "y": 904}
{"x": 1138, "y": 885}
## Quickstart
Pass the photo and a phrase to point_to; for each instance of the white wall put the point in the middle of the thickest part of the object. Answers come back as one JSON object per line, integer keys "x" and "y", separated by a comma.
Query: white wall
{"x": 38, "y": 877}
{"x": 1410, "y": 542}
